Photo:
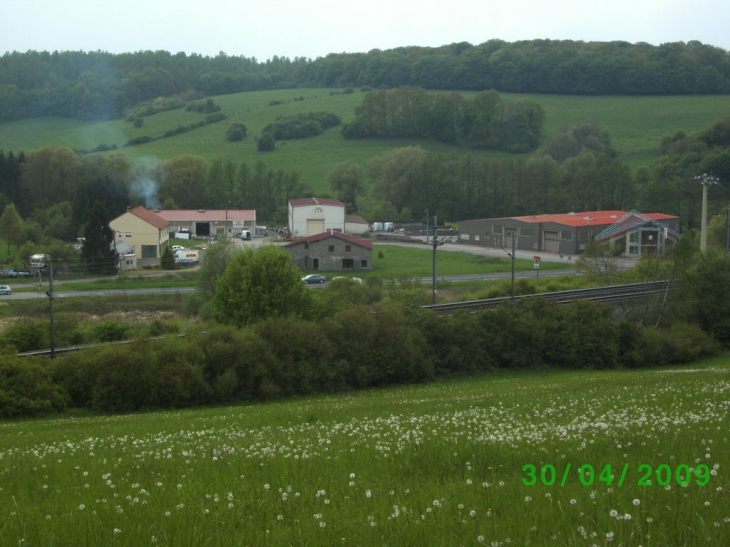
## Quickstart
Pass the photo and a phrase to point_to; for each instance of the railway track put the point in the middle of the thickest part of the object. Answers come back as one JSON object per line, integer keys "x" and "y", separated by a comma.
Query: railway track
{"x": 612, "y": 294}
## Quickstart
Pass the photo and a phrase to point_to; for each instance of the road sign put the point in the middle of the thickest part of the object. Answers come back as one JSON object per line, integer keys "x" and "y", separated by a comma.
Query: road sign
{"x": 536, "y": 262}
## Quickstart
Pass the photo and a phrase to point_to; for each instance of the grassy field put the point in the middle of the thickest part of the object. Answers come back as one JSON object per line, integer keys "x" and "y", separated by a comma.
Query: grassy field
{"x": 445, "y": 464}
{"x": 636, "y": 123}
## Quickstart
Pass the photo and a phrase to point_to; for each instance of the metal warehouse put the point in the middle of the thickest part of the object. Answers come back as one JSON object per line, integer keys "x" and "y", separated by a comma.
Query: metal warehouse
{"x": 569, "y": 233}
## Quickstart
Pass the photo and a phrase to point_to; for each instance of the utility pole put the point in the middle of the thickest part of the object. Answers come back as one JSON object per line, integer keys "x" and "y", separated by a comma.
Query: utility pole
{"x": 51, "y": 297}
{"x": 427, "y": 226}
{"x": 706, "y": 181}
{"x": 512, "y": 291}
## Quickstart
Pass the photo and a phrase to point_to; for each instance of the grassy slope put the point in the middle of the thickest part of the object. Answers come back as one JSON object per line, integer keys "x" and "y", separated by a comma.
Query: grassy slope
{"x": 636, "y": 123}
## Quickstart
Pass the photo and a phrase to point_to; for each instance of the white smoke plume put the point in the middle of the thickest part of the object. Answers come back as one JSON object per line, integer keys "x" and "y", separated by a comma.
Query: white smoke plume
{"x": 146, "y": 189}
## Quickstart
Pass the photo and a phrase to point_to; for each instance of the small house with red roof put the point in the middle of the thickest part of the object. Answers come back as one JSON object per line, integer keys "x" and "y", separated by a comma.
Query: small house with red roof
{"x": 146, "y": 231}
{"x": 332, "y": 251}
{"x": 569, "y": 233}
{"x": 311, "y": 216}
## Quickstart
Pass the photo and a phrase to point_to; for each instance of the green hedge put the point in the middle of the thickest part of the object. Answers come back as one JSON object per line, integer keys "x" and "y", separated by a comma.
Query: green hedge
{"x": 358, "y": 347}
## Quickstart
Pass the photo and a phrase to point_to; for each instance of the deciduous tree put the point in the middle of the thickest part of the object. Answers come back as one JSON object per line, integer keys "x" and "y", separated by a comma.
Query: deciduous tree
{"x": 12, "y": 228}
{"x": 347, "y": 180}
{"x": 259, "y": 285}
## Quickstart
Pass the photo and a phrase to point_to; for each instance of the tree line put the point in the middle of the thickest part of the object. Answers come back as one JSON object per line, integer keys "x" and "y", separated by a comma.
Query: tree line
{"x": 575, "y": 170}
{"x": 101, "y": 85}
{"x": 486, "y": 121}
{"x": 533, "y": 66}
{"x": 51, "y": 195}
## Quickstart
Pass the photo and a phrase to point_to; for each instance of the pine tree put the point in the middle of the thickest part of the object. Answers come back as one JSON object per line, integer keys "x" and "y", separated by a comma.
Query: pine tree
{"x": 98, "y": 253}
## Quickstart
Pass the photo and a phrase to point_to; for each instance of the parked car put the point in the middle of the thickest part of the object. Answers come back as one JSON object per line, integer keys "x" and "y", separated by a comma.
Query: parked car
{"x": 185, "y": 262}
{"x": 4, "y": 289}
{"x": 176, "y": 248}
{"x": 23, "y": 273}
{"x": 8, "y": 273}
{"x": 314, "y": 278}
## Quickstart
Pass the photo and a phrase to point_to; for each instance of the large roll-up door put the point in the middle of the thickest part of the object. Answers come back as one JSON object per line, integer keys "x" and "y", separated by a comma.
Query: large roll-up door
{"x": 315, "y": 226}
{"x": 552, "y": 242}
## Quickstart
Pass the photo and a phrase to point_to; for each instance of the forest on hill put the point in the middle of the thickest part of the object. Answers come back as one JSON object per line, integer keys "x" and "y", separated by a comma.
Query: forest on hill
{"x": 101, "y": 86}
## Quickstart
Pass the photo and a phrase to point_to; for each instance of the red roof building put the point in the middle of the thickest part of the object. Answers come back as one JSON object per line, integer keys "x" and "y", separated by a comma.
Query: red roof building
{"x": 568, "y": 233}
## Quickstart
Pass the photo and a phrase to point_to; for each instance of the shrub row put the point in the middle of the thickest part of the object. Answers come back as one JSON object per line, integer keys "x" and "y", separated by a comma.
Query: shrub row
{"x": 354, "y": 349}
{"x": 302, "y": 126}
{"x": 180, "y": 129}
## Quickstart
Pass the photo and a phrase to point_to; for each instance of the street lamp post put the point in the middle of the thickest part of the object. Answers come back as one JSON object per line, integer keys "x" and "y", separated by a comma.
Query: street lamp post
{"x": 226, "y": 227}
{"x": 706, "y": 181}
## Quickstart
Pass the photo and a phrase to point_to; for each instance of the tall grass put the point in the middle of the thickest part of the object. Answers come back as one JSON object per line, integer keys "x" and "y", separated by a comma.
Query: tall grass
{"x": 441, "y": 464}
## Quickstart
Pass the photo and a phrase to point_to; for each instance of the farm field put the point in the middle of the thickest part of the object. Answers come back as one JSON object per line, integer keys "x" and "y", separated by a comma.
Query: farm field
{"x": 509, "y": 458}
{"x": 636, "y": 123}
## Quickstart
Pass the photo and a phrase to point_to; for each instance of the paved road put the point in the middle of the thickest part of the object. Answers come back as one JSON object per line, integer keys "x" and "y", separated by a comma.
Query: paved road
{"x": 446, "y": 247}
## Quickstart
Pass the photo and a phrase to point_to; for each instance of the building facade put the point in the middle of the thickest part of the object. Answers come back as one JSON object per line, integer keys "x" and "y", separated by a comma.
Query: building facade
{"x": 146, "y": 231}
{"x": 566, "y": 234}
{"x": 355, "y": 224}
{"x": 205, "y": 224}
{"x": 311, "y": 216}
{"x": 332, "y": 251}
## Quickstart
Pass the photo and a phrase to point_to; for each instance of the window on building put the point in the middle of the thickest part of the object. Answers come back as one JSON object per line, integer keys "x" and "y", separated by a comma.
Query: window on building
{"x": 127, "y": 234}
{"x": 526, "y": 231}
{"x": 566, "y": 235}
{"x": 331, "y": 248}
{"x": 348, "y": 264}
{"x": 584, "y": 235}
{"x": 306, "y": 244}
{"x": 348, "y": 248}
{"x": 363, "y": 263}
{"x": 149, "y": 251}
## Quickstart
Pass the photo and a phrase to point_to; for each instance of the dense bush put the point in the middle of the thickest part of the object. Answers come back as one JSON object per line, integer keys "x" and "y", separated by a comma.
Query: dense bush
{"x": 236, "y": 132}
{"x": 266, "y": 143}
{"x": 139, "y": 140}
{"x": 26, "y": 335}
{"x": 359, "y": 346}
{"x": 27, "y": 389}
{"x": 302, "y": 126}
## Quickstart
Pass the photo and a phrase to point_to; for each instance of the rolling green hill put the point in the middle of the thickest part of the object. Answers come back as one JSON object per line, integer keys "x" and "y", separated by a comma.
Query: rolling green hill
{"x": 636, "y": 123}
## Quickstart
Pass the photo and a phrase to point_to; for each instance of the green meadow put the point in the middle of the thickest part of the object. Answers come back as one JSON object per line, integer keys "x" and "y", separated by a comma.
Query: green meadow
{"x": 636, "y": 123}
{"x": 586, "y": 457}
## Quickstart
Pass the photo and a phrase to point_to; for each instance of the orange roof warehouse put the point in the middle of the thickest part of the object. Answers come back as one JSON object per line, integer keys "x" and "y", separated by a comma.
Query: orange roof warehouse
{"x": 569, "y": 233}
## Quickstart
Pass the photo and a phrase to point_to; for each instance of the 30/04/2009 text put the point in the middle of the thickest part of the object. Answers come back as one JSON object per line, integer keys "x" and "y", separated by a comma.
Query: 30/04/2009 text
{"x": 645, "y": 475}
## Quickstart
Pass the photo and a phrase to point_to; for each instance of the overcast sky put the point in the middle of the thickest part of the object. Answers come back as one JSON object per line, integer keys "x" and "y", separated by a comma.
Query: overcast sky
{"x": 314, "y": 28}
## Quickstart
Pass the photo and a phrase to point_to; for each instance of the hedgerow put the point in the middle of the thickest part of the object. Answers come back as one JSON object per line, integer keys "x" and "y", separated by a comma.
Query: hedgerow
{"x": 354, "y": 348}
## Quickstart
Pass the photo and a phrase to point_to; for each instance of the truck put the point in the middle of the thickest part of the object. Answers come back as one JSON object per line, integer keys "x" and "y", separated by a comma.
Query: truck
{"x": 188, "y": 256}
{"x": 246, "y": 234}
